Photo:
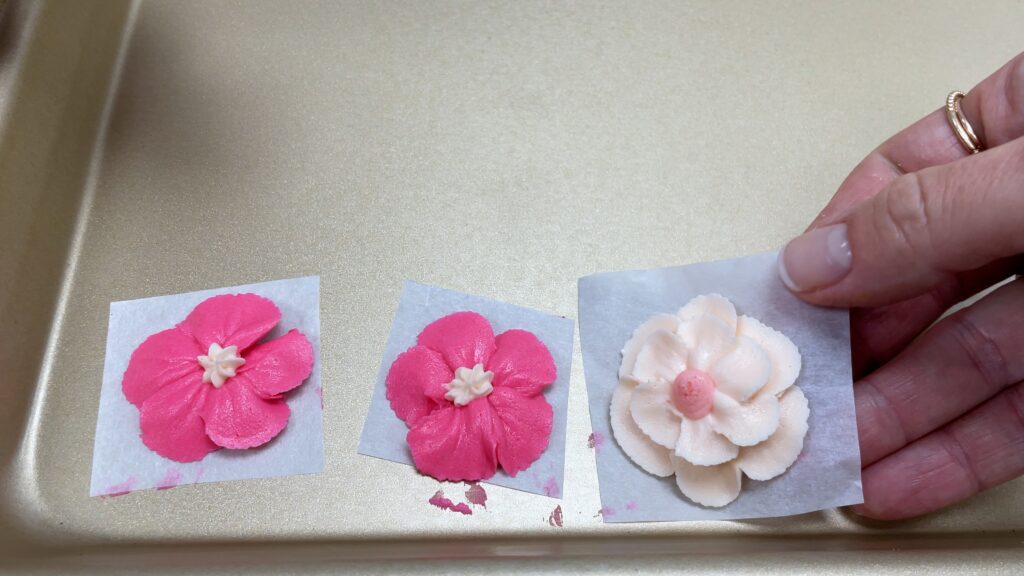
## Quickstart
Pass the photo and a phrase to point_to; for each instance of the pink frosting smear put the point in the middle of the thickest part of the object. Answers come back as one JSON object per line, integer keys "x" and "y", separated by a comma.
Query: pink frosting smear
{"x": 439, "y": 500}
{"x": 170, "y": 480}
{"x": 507, "y": 426}
{"x": 551, "y": 487}
{"x": 121, "y": 488}
{"x": 693, "y": 393}
{"x": 184, "y": 417}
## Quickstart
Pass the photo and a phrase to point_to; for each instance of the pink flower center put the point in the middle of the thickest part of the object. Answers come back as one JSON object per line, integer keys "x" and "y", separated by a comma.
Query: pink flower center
{"x": 693, "y": 393}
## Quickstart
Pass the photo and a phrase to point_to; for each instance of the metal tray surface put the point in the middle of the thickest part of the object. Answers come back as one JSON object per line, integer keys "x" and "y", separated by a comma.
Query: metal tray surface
{"x": 498, "y": 148}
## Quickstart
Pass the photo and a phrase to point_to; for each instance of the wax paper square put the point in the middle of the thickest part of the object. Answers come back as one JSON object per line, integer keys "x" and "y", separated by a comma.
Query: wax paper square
{"x": 827, "y": 473}
{"x": 384, "y": 433}
{"x": 122, "y": 463}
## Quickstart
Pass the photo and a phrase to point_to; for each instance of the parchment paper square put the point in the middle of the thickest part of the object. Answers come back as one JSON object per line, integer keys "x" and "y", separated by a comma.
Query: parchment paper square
{"x": 122, "y": 463}
{"x": 384, "y": 433}
{"x": 827, "y": 473}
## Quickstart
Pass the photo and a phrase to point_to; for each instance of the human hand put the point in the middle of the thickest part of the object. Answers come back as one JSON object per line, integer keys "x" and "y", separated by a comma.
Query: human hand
{"x": 918, "y": 226}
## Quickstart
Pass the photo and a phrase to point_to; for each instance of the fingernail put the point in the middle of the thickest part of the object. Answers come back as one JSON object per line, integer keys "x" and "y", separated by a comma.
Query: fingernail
{"x": 816, "y": 259}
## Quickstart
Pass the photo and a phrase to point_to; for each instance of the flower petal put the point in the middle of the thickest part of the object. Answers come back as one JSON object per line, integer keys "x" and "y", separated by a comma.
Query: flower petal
{"x": 521, "y": 361}
{"x": 747, "y": 423}
{"x": 699, "y": 444}
{"x": 522, "y": 425}
{"x": 415, "y": 383}
{"x": 776, "y": 454}
{"x": 643, "y": 451}
{"x": 783, "y": 354}
{"x": 662, "y": 357}
{"x": 231, "y": 320}
{"x": 712, "y": 486}
{"x": 464, "y": 339}
{"x": 170, "y": 420}
{"x": 713, "y": 304}
{"x": 455, "y": 443}
{"x": 163, "y": 358}
{"x": 237, "y": 417}
{"x": 742, "y": 371}
{"x": 279, "y": 365}
{"x": 665, "y": 322}
{"x": 707, "y": 338}
{"x": 651, "y": 408}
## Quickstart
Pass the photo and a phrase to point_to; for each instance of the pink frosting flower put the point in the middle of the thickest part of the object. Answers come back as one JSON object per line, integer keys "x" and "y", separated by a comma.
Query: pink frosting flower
{"x": 473, "y": 401}
{"x": 205, "y": 384}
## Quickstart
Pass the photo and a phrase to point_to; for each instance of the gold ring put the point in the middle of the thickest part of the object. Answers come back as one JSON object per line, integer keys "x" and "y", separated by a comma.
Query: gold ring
{"x": 958, "y": 122}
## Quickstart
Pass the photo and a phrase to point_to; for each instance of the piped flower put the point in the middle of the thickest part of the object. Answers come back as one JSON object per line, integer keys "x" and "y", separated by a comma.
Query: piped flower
{"x": 473, "y": 401}
{"x": 708, "y": 396}
{"x": 206, "y": 384}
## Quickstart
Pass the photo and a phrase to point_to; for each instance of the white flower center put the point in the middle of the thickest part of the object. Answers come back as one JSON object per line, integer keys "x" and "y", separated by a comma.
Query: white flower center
{"x": 469, "y": 384}
{"x": 220, "y": 364}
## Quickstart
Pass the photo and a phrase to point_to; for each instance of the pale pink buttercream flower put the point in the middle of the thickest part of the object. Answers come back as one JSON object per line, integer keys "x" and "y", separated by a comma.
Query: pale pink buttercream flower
{"x": 473, "y": 401}
{"x": 206, "y": 384}
{"x": 709, "y": 396}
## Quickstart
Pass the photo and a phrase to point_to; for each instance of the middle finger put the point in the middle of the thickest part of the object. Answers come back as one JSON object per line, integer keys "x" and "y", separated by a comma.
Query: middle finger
{"x": 879, "y": 334}
{"x": 966, "y": 359}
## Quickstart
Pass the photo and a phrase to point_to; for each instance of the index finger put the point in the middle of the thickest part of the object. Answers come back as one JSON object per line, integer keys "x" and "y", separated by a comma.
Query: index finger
{"x": 995, "y": 109}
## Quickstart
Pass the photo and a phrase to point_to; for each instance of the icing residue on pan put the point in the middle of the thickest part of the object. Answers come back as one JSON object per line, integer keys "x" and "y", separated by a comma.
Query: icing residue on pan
{"x": 476, "y": 495}
{"x": 439, "y": 500}
{"x": 595, "y": 441}
{"x": 555, "y": 519}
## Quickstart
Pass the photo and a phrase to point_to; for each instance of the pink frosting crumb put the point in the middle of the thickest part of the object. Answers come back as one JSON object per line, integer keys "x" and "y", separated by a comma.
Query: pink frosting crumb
{"x": 555, "y": 518}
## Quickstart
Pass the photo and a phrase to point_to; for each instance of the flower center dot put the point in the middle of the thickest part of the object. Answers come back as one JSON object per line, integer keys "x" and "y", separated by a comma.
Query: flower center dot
{"x": 219, "y": 364}
{"x": 469, "y": 384}
{"x": 693, "y": 393}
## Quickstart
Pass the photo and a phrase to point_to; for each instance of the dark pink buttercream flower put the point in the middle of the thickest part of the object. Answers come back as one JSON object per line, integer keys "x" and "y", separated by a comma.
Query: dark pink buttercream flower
{"x": 205, "y": 384}
{"x": 473, "y": 401}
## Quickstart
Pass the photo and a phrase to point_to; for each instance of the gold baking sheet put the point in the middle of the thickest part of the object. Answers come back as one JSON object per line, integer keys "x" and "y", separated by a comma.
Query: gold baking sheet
{"x": 502, "y": 149}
